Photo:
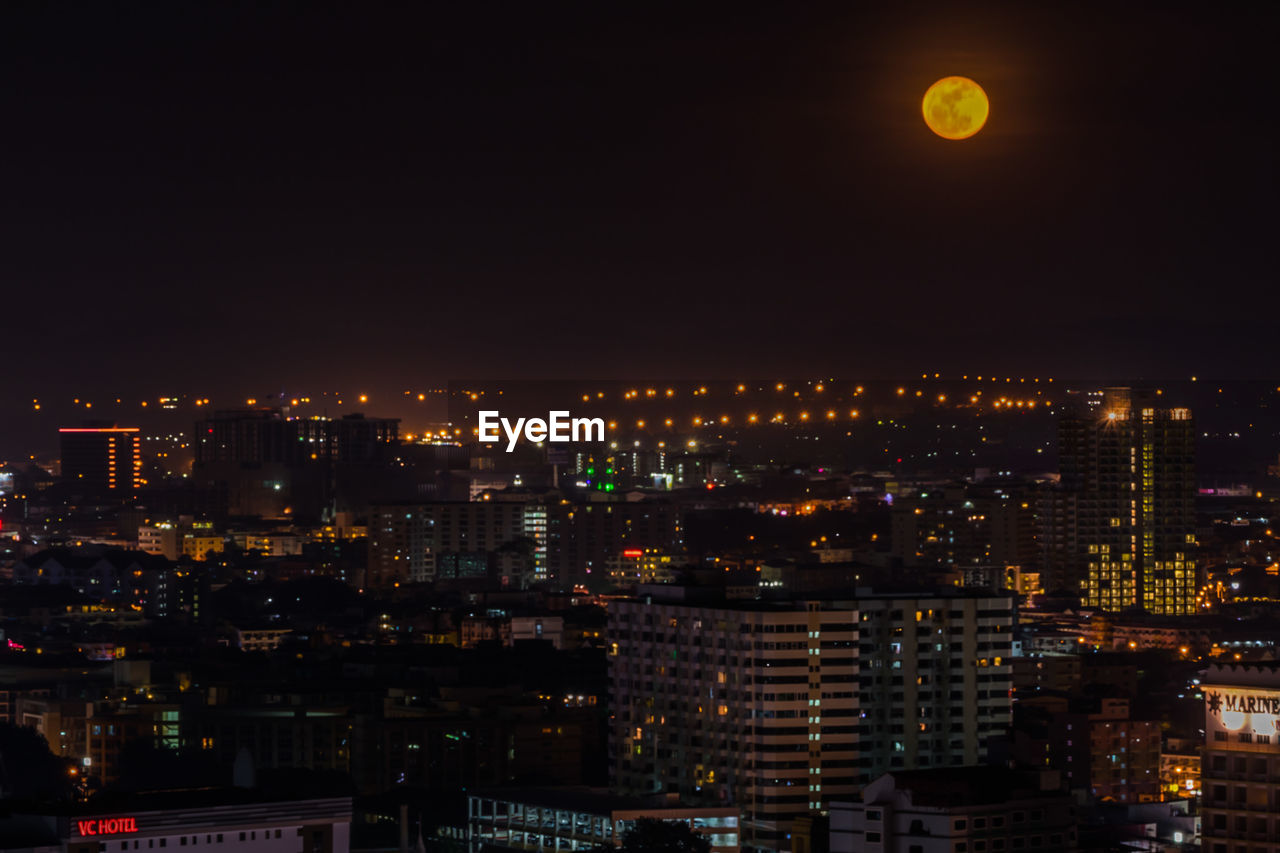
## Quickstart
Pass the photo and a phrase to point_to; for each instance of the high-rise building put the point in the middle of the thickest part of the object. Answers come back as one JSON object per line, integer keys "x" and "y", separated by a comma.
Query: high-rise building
{"x": 268, "y": 462}
{"x": 1130, "y": 465}
{"x": 422, "y": 542}
{"x": 736, "y": 703}
{"x": 783, "y": 706}
{"x": 935, "y": 677}
{"x": 102, "y": 460}
{"x": 964, "y": 526}
{"x": 1240, "y": 765}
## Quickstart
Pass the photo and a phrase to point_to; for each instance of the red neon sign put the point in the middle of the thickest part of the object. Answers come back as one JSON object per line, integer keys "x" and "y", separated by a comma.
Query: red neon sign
{"x": 633, "y": 552}
{"x": 107, "y": 825}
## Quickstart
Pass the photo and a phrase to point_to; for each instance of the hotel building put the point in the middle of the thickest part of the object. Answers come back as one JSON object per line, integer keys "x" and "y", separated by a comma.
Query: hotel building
{"x": 228, "y": 819}
{"x": 1240, "y": 766}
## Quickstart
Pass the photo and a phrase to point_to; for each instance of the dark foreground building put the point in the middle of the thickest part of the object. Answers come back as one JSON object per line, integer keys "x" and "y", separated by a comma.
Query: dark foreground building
{"x": 956, "y": 810}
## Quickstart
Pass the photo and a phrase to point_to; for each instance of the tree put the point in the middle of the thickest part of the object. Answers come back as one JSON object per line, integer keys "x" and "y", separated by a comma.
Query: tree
{"x": 28, "y": 770}
{"x": 650, "y": 835}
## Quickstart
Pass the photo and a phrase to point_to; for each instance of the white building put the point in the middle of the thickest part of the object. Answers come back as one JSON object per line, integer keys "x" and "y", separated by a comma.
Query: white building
{"x": 222, "y": 820}
{"x": 956, "y": 810}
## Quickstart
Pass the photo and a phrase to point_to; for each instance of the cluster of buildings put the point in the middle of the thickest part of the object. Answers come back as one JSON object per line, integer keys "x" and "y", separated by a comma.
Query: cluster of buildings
{"x": 536, "y": 653}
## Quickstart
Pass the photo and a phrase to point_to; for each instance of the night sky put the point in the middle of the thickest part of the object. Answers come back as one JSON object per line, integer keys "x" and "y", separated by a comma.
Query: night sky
{"x": 208, "y": 199}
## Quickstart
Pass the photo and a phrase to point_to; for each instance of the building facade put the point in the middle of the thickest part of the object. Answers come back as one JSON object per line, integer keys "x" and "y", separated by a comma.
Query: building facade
{"x": 935, "y": 676}
{"x": 1130, "y": 464}
{"x": 217, "y": 820}
{"x": 102, "y": 460}
{"x": 734, "y": 704}
{"x": 582, "y": 819}
{"x": 421, "y": 542}
{"x": 782, "y": 707}
{"x": 956, "y": 810}
{"x": 1240, "y": 765}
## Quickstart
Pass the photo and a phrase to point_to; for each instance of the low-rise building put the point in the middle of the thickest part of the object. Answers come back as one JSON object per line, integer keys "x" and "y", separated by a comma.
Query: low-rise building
{"x": 231, "y": 819}
{"x": 582, "y": 819}
{"x": 956, "y": 810}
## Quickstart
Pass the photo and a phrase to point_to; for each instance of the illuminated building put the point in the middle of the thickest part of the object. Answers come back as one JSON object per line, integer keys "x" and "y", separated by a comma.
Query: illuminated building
{"x": 102, "y": 460}
{"x": 162, "y": 539}
{"x": 583, "y": 539}
{"x": 1129, "y": 465}
{"x": 193, "y": 539}
{"x": 1124, "y": 754}
{"x": 935, "y": 677}
{"x": 227, "y": 819}
{"x": 641, "y": 565}
{"x": 423, "y": 542}
{"x": 964, "y": 526}
{"x": 612, "y": 469}
{"x": 582, "y": 819}
{"x": 737, "y": 703}
{"x": 1180, "y": 768}
{"x": 1240, "y": 765}
{"x": 786, "y": 706}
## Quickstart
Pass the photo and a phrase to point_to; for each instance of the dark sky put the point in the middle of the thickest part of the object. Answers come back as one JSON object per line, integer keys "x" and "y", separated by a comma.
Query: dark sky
{"x": 202, "y": 197}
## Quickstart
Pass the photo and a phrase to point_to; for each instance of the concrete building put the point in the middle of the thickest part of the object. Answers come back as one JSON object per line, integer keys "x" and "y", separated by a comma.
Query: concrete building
{"x": 549, "y": 628}
{"x": 1240, "y": 769}
{"x": 743, "y": 704}
{"x": 935, "y": 677}
{"x": 781, "y": 707}
{"x": 545, "y": 819}
{"x": 417, "y": 542}
{"x": 232, "y": 819}
{"x": 102, "y": 460}
{"x": 260, "y": 639}
{"x": 963, "y": 526}
{"x": 265, "y": 460}
{"x": 956, "y": 810}
{"x": 585, "y": 540}
{"x": 1130, "y": 464}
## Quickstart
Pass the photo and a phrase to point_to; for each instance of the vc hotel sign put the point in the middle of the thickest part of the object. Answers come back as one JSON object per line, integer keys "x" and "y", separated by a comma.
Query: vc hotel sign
{"x": 106, "y": 826}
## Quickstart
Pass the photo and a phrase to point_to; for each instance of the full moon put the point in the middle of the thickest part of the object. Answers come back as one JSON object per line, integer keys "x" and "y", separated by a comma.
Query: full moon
{"x": 955, "y": 108}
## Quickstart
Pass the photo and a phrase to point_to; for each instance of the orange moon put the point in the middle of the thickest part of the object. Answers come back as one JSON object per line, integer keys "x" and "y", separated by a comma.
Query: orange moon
{"x": 955, "y": 108}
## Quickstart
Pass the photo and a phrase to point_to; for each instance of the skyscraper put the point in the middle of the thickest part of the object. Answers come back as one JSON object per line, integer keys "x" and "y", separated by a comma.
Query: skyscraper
{"x": 1130, "y": 466}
